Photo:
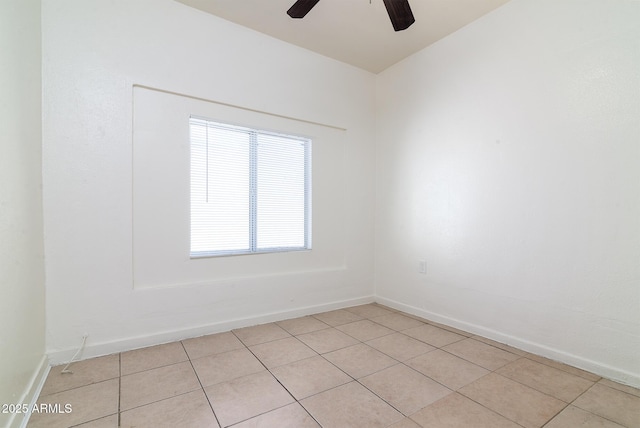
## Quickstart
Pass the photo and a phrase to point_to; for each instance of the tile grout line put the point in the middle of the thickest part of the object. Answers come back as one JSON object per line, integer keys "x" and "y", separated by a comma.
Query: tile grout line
{"x": 200, "y": 383}
{"x": 456, "y": 391}
{"x": 590, "y": 412}
{"x": 160, "y": 400}
{"x": 566, "y": 404}
{"x": 529, "y": 355}
{"x": 395, "y": 359}
{"x": 490, "y": 409}
{"x": 398, "y": 362}
{"x": 464, "y": 359}
{"x": 507, "y": 378}
{"x": 274, "y": 376}
{"x": 353, "y": 379}
{"x": 267, "y": 341}
{"x": 536, "y": 389}
{"x": 614, "y": 389}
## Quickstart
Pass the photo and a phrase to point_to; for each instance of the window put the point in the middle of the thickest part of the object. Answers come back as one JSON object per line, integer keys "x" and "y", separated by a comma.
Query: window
{"x": 250, "y": 190}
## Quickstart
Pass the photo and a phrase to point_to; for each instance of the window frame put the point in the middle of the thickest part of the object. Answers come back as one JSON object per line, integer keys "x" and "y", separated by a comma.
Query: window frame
{"x": 253, "y": 190}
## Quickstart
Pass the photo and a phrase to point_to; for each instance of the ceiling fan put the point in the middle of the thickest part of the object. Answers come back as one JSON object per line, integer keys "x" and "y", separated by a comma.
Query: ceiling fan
{"x": 399, "y": 12}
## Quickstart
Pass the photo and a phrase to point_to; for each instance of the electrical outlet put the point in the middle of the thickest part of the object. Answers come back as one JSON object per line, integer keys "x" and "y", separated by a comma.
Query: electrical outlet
{"x": 422, "y": 266}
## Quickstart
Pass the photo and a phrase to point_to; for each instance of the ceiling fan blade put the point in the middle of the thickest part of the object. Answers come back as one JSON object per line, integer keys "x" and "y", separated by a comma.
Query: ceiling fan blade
{"x": 301, "y": 8}
{"x": 400, "y": 14}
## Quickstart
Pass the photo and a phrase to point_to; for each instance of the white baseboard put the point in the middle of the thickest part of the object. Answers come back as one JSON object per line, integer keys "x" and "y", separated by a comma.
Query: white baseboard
{"x": 31, "y": 393}
{"x": 91, "y": 350}
{"x": 603, "y": 370}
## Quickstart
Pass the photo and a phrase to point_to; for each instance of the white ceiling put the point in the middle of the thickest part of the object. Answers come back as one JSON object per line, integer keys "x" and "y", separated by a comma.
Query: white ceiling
{"x": 357, "y": 32}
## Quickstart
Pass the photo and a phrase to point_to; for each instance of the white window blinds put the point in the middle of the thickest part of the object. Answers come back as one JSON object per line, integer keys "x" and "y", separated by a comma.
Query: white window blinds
{"x": 250, "y": 190}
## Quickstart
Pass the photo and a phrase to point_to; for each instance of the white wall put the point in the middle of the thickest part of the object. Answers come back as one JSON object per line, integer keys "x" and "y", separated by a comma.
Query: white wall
{"x": 508, "y": 157}
{"x": 93, "y": 55}
{"x": 22, "y": 341}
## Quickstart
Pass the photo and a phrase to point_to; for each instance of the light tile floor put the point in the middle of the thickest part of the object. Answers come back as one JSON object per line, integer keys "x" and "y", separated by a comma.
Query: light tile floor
{"x": 366, "y": 366}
